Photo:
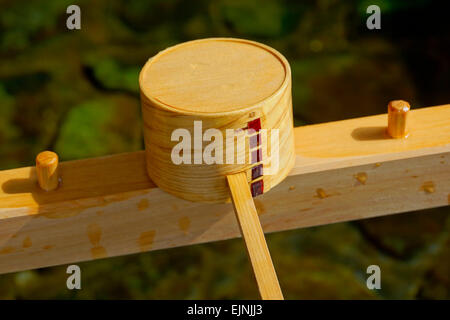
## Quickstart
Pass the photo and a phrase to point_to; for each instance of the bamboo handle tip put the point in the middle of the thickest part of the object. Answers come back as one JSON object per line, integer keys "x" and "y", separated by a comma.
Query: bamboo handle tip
{"x": 251, "y": 230}
{"x": 47, "y": 165}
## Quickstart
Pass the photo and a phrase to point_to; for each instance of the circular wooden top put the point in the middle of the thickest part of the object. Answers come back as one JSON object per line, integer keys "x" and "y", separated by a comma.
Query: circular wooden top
{"x": 47, "y": 159}
{"x": 213, "y": 75}
{"x": 398, "y": 106}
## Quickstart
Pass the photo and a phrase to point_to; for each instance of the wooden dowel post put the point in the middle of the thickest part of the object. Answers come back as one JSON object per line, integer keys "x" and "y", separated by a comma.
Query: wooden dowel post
{"x": 253, "y": 235}
{"x": 47, "y": 170}
{"x": 397, "y": 114}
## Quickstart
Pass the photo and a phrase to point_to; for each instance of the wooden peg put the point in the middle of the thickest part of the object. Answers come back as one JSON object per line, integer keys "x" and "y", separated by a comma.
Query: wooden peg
{"x": 397, "y": 113}
{"x": 47, "y": 170}
{"x": 251, "y": 231}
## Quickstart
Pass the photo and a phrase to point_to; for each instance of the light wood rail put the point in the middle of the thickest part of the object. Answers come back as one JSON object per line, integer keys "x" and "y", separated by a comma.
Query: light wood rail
{"x": 107, "y": 206}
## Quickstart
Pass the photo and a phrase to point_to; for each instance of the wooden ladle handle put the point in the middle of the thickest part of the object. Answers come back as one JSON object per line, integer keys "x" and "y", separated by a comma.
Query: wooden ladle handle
{"x": 251, "y": 231}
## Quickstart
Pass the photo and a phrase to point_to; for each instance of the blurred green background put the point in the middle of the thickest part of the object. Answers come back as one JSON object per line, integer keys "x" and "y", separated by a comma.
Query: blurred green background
{"x": 76, "y": 92}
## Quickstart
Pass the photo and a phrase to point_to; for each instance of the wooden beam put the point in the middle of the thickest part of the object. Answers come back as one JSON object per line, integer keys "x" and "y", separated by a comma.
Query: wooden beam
{"x": 107, "y": 206}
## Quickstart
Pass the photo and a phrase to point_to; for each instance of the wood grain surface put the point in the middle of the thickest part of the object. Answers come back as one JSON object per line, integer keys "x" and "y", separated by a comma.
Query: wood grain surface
{"x": 107, "y": 206}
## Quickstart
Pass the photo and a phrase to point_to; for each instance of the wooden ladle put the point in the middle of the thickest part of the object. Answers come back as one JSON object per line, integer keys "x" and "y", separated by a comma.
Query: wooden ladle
{"x": 217, "y": 116}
